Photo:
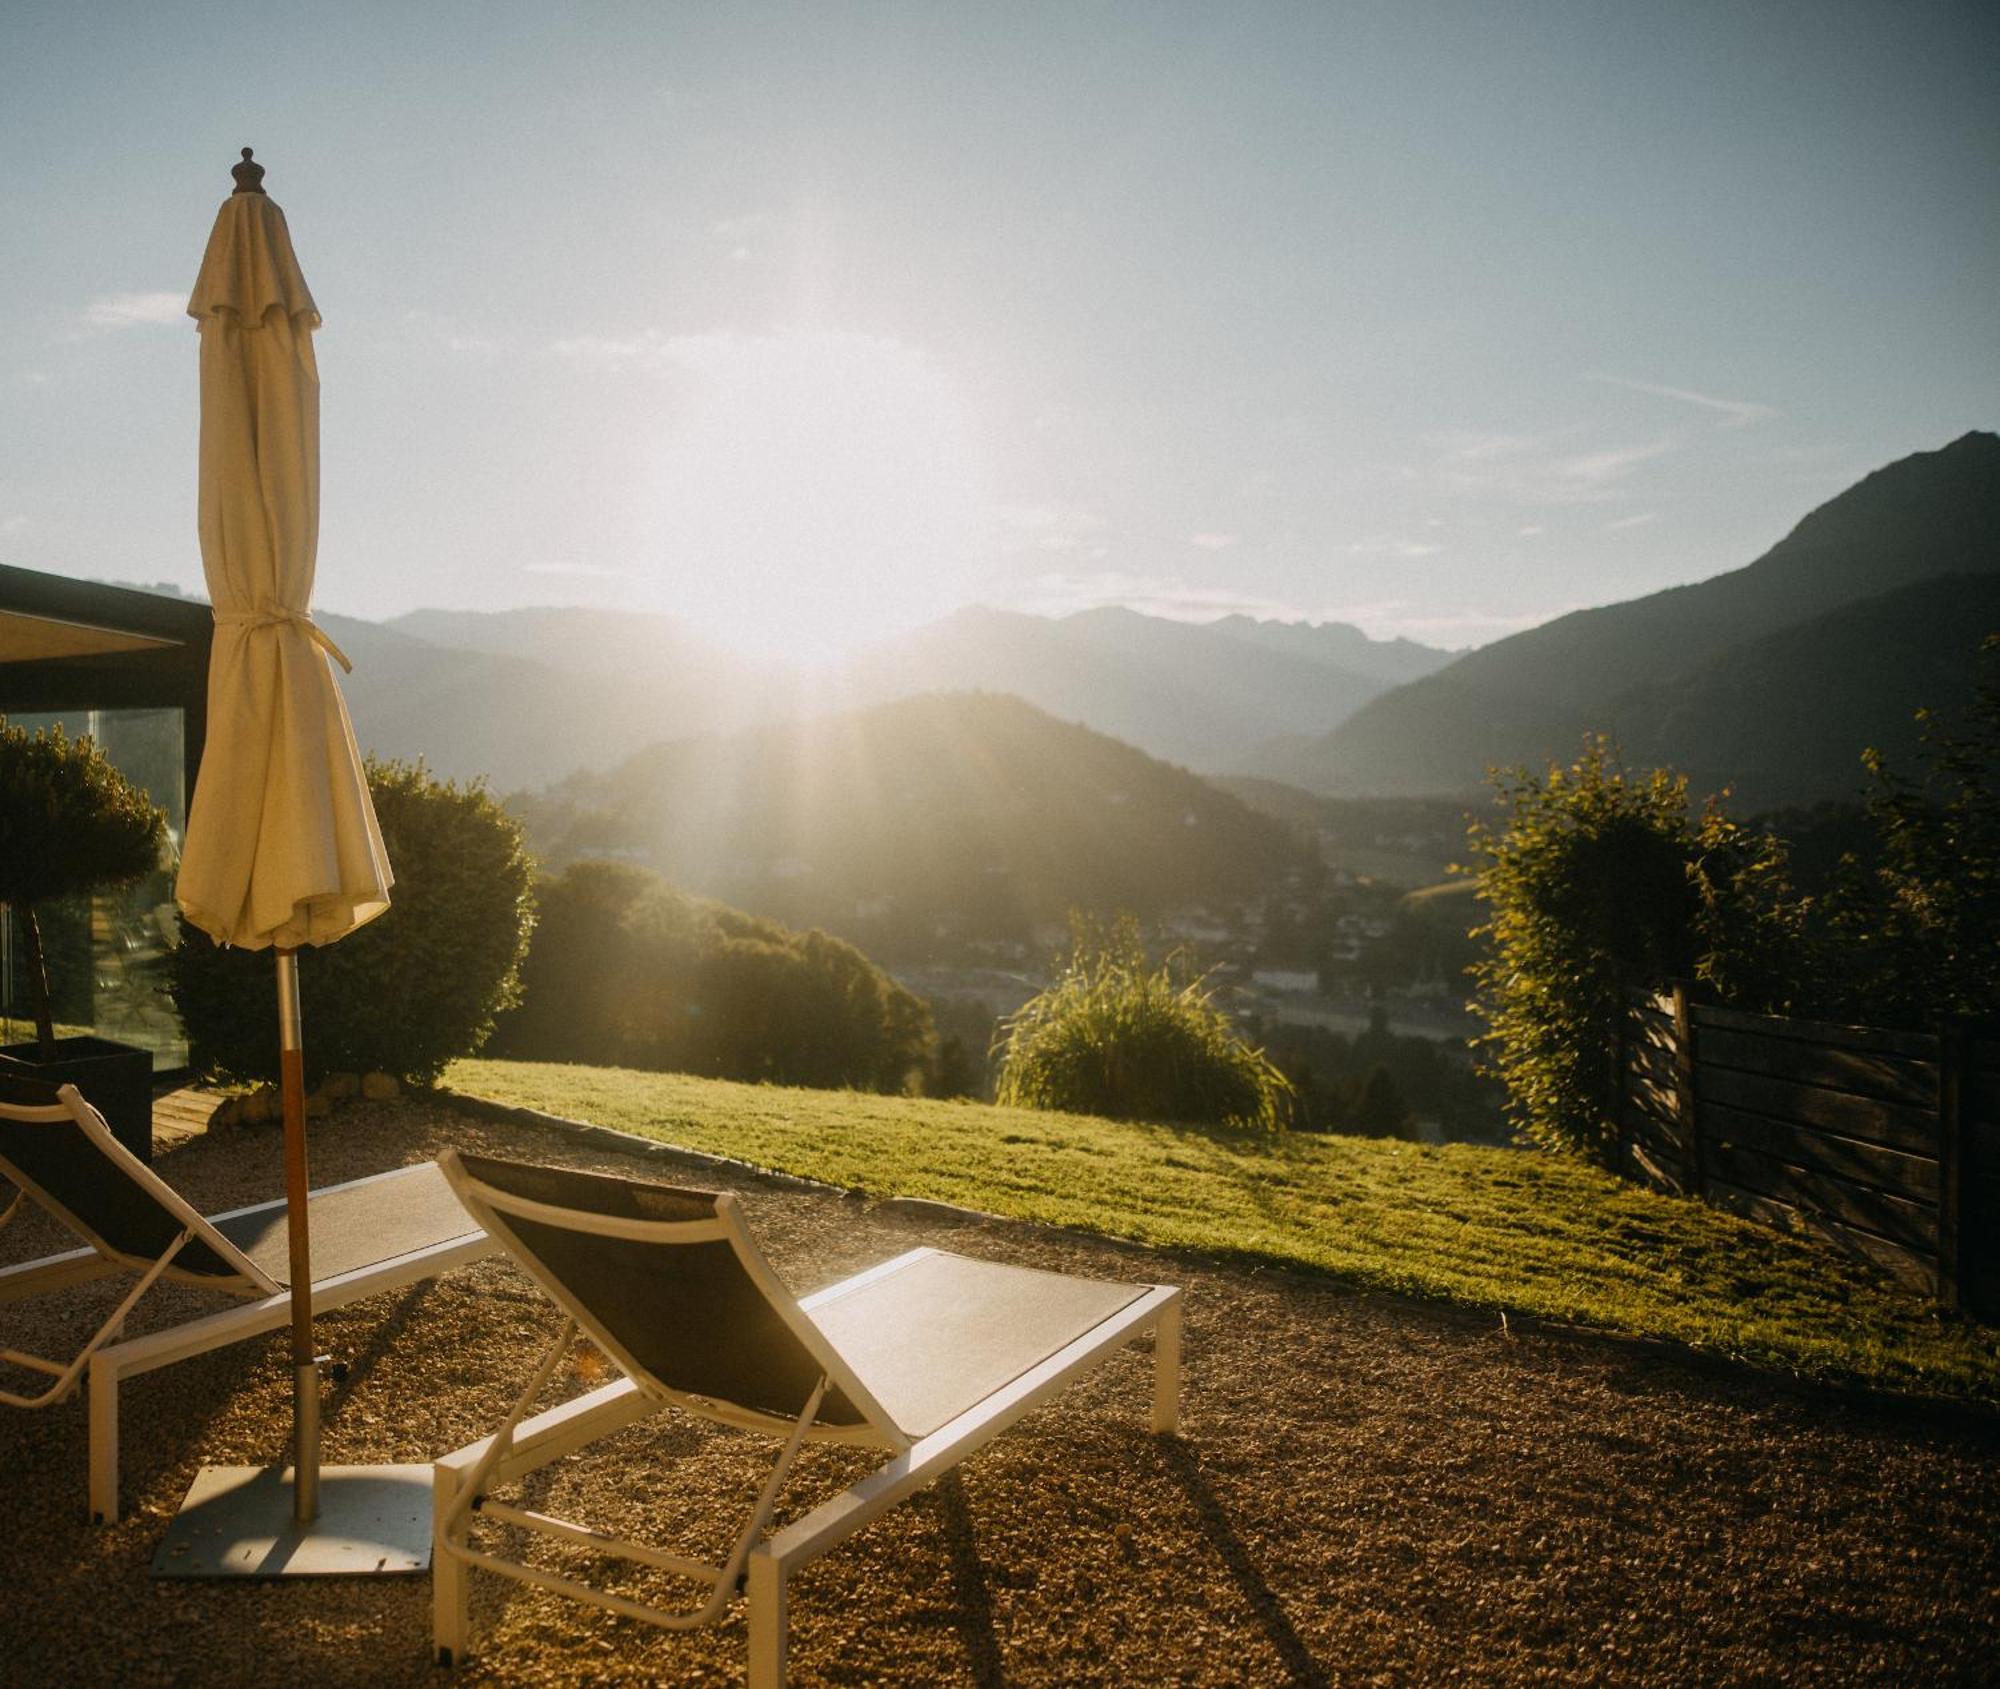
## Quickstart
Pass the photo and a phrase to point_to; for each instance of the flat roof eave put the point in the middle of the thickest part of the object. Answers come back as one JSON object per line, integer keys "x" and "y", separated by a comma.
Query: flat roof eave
{"x": 45, "y": 617}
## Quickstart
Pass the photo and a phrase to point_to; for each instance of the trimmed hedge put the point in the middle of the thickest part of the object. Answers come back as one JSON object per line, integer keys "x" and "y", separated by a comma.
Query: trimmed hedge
{"x": 410, "y": 992}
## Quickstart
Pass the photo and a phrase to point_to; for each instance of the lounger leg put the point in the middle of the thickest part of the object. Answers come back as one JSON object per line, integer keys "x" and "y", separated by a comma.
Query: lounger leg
{"x": 1167, "y": 1368}
{"x": 451, "y": 1615}
{"x": 103, "y": 1394}
{"x": 767, "y": 1623}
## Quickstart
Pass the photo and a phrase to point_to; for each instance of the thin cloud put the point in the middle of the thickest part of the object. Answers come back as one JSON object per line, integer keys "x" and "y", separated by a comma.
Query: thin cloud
{"x": 1048, "y": 527}
{"x": 1534, "y": 470}
{"x": 1178, "y": 600}
{"x": 1451, "y": 629}
{"x": 597, "y": 351}
{"x": 442, "y": 329}
{"x": 1213, "y": 542}
{"x": 1153, "y": 595}
{"x": 1593, "y": 470}
{"x": 591, "y": 571}
{"x": 1630, "y": 522}
{"x": 1455, "y": 629}
{"x": 1735, "y": 413}
{"x": 135, "y": 310}
{"x": 742, "y": 227}
{"x": 766, "y": 359}
{"x": 1484, "y": 448}
{"x": 1391, "y": 545}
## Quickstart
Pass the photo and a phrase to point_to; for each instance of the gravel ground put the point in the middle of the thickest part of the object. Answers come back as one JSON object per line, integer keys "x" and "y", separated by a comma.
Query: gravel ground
{"x": 1366, "y": 1491}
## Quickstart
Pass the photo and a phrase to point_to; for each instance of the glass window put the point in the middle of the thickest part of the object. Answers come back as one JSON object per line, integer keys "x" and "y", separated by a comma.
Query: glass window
{"x": 107, "y": 953}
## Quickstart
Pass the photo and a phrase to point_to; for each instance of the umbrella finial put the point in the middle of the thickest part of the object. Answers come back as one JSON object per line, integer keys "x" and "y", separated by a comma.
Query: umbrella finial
{"x": 249, "y": 175}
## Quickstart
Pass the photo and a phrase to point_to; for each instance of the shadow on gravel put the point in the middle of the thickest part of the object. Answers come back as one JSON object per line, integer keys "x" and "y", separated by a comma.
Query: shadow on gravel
{"x": 357, "y": 1365}
{"x": 974, "y": 1600}
{"x": 1303, "y": 1670}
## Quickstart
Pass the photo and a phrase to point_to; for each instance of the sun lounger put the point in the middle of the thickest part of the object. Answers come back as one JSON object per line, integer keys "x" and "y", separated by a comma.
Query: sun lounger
{"x": 926, "y": 1357}
{"x": 369, "y": 1235}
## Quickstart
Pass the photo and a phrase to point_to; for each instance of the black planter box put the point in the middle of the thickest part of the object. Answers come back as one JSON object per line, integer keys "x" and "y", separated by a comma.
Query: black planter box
{"x": 115, "y": 1079}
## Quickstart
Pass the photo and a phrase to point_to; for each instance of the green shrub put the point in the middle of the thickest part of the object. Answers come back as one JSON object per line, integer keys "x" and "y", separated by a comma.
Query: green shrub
{"x": 1117, "y": 1037}
{"x": 580, "y": 991}
{"x": 70, "y": 823}
{"x": 415, "y": 988}
{"x": 626, "y": 971}
{"x": 1598, "y": 884}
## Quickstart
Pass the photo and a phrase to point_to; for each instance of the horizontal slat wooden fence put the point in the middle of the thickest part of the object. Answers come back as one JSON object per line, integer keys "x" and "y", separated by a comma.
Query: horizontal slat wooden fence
{"x": 1886, "y": 1142}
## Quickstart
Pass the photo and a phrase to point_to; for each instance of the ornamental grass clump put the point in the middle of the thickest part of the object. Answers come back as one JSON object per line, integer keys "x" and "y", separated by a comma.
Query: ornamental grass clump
{"x": 1119, "y": 1038}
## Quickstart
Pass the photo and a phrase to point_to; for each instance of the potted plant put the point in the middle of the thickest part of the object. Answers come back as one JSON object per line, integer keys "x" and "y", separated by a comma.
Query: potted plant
{"x": 71, "y": 824}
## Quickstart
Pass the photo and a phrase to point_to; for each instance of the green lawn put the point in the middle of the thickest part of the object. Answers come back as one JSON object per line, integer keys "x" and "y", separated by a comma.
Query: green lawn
{"x": 1482, "y": 1228}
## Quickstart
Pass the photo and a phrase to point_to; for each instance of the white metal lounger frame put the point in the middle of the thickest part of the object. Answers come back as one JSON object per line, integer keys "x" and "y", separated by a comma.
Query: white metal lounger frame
{"x": 102, "y": 1259}
{"x": 267, "y": 1306}
{"x": 756, "y": 1567}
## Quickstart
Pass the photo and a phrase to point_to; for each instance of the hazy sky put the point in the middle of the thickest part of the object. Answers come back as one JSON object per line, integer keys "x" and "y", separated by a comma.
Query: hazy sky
{"x": 809, "y": 321}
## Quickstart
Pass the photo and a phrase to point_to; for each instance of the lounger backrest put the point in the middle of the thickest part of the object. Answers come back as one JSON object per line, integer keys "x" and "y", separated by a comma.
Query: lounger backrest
{"x": 59, "y": 1150}
{"x": 668, "y": 1282}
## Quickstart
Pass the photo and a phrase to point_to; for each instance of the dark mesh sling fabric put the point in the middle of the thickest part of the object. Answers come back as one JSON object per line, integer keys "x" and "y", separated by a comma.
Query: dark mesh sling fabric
{"x": 686, "y": 1312}
{"x": 356, "y": 1226}
{"x": 60, "y": 1161}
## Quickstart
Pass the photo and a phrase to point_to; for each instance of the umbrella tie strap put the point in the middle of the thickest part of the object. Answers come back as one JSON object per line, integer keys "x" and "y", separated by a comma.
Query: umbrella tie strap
{"x": 278, "y": 618}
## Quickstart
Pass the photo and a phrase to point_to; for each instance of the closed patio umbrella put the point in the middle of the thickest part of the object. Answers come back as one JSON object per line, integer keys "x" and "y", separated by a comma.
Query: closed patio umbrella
{"x": 282, "y": 846}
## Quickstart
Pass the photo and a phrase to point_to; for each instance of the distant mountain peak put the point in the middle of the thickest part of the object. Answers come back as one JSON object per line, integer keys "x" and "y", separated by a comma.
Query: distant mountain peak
{"x": 961, "y": 811}
{"x": 1630, "y": 667}
{"x": 1959, "y": 482}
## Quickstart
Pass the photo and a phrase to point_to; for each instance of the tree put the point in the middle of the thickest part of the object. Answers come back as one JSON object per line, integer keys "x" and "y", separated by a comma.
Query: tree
{"x": 626, "y": 970}
{"x": 1597, "y": 883}
{"x": 583, "y": 994}
{"x": 1916, "y": 933}
{"x": 70, "y": 823}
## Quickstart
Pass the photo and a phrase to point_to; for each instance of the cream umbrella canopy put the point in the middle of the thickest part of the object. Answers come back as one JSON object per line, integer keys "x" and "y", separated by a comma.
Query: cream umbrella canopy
{"x": 282, "y": 845}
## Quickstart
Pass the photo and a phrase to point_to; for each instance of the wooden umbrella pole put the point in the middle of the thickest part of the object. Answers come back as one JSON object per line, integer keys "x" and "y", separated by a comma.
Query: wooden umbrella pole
{"x": 305, "y": 1368}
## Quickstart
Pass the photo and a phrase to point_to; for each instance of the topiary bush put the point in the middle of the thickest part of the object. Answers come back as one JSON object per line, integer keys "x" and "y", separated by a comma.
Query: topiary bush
{"x": 70, "y": 823}
{"x": 1117, "y": 1037}
{"x": 626, "y": 971}
{"x": 414, "y": 989}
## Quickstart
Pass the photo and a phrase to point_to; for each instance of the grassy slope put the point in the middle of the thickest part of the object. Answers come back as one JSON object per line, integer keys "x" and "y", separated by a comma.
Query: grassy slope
{"x": 1483, "y": 1228}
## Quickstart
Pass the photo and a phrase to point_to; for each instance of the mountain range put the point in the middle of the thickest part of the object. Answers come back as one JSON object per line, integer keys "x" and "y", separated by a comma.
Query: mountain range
{"x": 1771, "y": 678}
{"x": 527, "y": 697}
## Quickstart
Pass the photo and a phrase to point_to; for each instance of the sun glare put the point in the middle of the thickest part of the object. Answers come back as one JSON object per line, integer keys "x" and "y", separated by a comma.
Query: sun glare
{"x": 814, "y": 490}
